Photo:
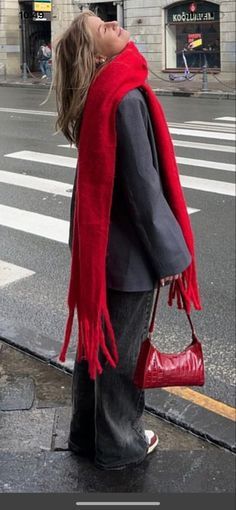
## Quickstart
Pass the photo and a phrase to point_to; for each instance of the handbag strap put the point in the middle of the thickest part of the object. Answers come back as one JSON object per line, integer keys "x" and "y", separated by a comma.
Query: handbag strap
{"x": 151, "y": 328}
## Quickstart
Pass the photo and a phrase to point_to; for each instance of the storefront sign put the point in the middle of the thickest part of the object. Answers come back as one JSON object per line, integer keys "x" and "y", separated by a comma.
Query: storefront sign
{"x": 192, "y": 12}
{"x": 42, "y": 6}
{"x": 186, "y": 16}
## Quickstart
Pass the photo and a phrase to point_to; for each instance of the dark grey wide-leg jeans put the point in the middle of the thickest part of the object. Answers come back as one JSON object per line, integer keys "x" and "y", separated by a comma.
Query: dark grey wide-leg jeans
{"x": 106, "y": 413}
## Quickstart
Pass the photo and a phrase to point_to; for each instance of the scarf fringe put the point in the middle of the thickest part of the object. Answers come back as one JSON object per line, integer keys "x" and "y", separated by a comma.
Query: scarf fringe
{"x": 69, "y": 324}
{"x": 182, "y": 290}
{"x": 92, "y": 342}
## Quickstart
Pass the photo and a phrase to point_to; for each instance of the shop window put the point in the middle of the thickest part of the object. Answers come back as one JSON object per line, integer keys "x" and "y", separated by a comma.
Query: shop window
{"x": 195, "y": 28}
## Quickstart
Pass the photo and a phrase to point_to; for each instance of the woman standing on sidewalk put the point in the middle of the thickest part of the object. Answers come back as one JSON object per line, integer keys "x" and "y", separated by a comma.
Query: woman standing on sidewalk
{"x": 130, "y": 231}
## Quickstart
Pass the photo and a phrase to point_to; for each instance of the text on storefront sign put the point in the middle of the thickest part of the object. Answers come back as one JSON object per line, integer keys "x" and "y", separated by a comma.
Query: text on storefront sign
{"x": 189, "y": 16}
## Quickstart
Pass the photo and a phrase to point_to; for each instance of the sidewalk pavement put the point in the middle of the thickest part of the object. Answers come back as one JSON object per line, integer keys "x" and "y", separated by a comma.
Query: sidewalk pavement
{"x": 217, "y": 89}
{"x": 34, "y": 416}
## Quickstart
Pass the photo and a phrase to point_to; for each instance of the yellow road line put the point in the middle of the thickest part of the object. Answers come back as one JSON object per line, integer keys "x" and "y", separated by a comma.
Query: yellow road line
{"x": 202, "y": 400}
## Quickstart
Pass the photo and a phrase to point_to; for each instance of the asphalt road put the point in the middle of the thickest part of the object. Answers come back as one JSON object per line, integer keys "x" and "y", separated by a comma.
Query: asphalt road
{"x": 37, "y": 300}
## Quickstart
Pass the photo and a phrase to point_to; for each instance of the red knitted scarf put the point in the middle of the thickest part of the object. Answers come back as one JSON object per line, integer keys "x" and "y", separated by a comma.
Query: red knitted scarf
{"x": 96, "y": 160}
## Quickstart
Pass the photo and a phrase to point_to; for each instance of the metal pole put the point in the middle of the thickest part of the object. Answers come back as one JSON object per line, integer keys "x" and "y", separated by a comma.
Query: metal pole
{"x": 24, "y": 64}
{"x": 204, "y": 76}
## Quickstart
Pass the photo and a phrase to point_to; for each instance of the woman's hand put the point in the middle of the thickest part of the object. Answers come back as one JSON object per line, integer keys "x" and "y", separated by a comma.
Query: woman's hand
{"x": 169, "y": 279}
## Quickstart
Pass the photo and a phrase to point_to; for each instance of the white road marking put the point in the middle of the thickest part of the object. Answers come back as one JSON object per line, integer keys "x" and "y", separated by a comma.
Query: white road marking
{"x": 215, "y": 165}
{"x": 41, "y": 157}
{"x": 70, "y": 162}
{"x": 34, "y": 223}
{"x": 36, "y": 183}
{"x": 228, "y": 128}
{"x": 219, "y": 187}
{"x": 197, "y": 133}
{"x": 54, "y": 114}
{"x": 210, "y": 124}
{"x": 228, "y": 119}
{"x": 45, "y": 185}
{"x": 10, "y": 273}
{"x": 28, "y": 112}
{"x": 192, "y": 211}
{"x": 182, "y": 143}
{"x": 204, "y": 146}
{"x": 68, "y": 146}
{"x": 39, "y": 224}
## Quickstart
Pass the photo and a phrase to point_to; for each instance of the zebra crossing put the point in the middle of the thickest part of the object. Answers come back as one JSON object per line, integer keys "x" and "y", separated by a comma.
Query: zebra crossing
{"x": 32, "y": 222}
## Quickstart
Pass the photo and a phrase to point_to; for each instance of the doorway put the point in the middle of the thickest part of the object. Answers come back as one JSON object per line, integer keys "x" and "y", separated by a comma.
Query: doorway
{"x": 35, "y": 28}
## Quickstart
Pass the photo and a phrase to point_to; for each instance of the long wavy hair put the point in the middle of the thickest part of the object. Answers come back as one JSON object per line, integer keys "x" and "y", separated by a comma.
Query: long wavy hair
{"x": 75, "y": 68}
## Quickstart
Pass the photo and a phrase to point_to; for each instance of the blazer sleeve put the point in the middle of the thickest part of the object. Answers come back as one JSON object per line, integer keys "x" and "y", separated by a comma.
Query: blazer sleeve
{"x": 156, "y": 225}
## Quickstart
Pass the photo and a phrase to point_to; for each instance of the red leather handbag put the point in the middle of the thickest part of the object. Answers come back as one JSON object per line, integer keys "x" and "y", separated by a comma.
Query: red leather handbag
{"x": 157, "y": 369}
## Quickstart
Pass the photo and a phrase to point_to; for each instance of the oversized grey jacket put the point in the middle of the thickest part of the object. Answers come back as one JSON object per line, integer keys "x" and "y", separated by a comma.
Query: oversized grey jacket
{"x": 145, "y": 241}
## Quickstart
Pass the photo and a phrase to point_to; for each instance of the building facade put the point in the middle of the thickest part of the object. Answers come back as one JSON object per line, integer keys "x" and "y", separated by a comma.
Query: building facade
{"x": 162, "y": 29}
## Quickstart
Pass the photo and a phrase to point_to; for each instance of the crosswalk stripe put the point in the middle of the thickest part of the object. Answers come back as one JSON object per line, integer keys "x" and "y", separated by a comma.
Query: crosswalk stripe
{"x": 228, "y": 119}
{"x": 54, "y": 114}
{"x": 210, "y": 124}
{"x": 191, "y": 210}
{"x": 67, "y": 146}
{"x": 182, "y": 143}
{"x": 45, "y": 185}
{"x": 65, "y": 189}
{"x": 215, "y": 165}
{"x": 39, "y": 157}
{"x": 10, "y": 273}
{"x": 197, "y": 133}
{"x": 191, "y": 127}
{"x": 36, "y": 183}
{"x": 70, "y": 162}
{"x": 28, "y": 112}
{"x": 197, "y": 183}
{"x": 39, "y": 224}
{"x": 204, "y": 146}
{"x": 34, "y": 223}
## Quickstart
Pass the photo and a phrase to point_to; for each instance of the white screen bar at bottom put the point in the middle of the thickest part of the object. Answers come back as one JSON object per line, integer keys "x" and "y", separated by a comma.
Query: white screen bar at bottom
{"x": 116, "y": 503}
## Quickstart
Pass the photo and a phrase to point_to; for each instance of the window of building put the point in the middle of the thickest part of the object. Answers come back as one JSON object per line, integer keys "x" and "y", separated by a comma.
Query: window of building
{"x": 105, "y": 10}
{"x": 195, "y": 28}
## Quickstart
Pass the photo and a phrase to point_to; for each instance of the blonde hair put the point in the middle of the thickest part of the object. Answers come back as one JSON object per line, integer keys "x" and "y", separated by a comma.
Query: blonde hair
{"x": 75, "y": 68}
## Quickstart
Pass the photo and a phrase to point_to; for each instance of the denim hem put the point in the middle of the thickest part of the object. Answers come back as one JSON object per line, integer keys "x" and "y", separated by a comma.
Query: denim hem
{"x": 120, "y": 466}
{"x": 83, "y": 452}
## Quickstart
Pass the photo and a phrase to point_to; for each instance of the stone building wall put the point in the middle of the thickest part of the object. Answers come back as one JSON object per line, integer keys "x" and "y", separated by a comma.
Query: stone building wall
{"x": 9, "y": 37}
{"x": 145, "y": 19}
{"x": 228, "y": 35}
{"x": 63, "y": 12}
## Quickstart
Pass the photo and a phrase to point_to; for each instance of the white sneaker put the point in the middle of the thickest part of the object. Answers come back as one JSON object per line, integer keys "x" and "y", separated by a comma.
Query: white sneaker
{"x": 44, "y": 76}
{"x": 152, "y": 440}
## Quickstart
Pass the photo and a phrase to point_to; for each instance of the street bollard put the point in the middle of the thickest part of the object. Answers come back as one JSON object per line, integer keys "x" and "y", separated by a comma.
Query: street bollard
{"x": 24, "y": 73}
{"x": 204, "y": 77}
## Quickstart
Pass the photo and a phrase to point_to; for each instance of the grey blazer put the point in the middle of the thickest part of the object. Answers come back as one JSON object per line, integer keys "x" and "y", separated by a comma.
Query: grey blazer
{"x": 145, "y": 241}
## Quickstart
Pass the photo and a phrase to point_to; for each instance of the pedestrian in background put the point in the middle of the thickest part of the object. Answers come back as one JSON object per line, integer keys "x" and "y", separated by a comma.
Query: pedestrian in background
{"x": 44, "y": 55}
{"x": 130, "y": 232}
